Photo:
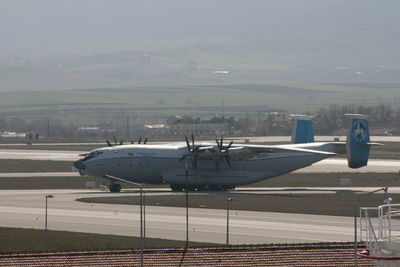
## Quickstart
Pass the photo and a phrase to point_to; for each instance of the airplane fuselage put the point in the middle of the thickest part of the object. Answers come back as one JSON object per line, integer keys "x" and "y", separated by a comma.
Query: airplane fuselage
{"x": 218, "y": 165}
{"x": 157, "y": 164}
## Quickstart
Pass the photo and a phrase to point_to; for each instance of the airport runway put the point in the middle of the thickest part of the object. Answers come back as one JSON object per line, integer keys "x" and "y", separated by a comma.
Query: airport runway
{"x": 25, "y": 208}
{"x": 37, "y": 174}
{"x": 56, "y": 155}
{"x": 340, "y": 165}
{"x": 252, "y": 139}
{"x": 327, "y": 165}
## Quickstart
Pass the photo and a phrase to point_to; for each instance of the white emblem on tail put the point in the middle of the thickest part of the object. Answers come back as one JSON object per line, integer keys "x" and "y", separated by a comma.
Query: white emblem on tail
{"x": 359, "y": 130}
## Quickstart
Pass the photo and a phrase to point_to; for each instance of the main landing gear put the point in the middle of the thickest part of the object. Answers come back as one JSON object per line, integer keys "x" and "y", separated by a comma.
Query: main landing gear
{"x": 115, "y": 188}
{"x": 182, "y": 187}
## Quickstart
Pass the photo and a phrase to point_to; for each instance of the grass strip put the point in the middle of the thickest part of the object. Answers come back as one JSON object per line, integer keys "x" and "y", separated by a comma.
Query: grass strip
{"x": 32, "y": 240}
{"x": 338, "y": 203}
{"x": 22, "y": 165}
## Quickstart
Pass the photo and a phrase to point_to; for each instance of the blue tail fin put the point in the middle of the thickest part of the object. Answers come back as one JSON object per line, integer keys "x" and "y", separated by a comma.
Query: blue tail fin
{"x": 303, "y": 130}
{"x": 358, "y": 142}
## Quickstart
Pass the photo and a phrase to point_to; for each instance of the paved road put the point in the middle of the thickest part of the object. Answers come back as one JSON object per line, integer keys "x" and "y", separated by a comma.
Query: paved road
{"x": 25, "y": 208}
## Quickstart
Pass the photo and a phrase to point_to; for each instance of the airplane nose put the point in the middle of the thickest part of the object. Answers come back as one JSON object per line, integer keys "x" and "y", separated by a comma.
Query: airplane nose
{"x": 79, "y": 165}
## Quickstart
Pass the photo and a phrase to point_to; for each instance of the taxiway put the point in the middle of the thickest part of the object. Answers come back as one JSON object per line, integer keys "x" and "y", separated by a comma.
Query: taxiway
{"x": 25, "y": 208}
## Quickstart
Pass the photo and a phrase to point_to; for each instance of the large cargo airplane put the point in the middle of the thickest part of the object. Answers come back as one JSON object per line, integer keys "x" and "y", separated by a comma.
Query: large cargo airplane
{"x": 219, "y": 166}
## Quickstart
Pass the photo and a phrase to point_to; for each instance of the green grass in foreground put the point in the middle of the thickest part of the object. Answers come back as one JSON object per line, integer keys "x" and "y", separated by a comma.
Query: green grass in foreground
{"x": 21, "y": 240}
{"x": 22, "y": 165}
{"x": 339, "y": 203}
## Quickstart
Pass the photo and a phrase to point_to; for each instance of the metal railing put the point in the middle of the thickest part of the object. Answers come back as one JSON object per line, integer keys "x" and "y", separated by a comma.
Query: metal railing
{"x": 367, "y": 231}
{"x": 380, "y": 226}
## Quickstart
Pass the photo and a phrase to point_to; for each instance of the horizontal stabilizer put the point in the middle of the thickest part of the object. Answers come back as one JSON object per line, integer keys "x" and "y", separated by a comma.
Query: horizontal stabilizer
{"x": 374, "y": 144}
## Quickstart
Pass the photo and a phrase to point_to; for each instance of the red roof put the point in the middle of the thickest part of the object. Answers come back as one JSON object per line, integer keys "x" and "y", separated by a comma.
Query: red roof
{"x": 327, "y": 254}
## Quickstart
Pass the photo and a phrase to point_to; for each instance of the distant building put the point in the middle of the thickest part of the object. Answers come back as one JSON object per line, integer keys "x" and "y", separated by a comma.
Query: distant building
{"x": 12, "y": 135}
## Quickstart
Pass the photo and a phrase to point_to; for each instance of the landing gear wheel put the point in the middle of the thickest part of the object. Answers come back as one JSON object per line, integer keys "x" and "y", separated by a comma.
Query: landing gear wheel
{"x": 115, "y": 188}
{"x": 177, "y": 187}
{"x": 213, "y": 187}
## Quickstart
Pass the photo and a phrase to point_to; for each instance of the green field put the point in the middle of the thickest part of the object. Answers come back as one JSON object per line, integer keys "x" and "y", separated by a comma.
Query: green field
{"x": 30, "y": 240}
{"x": 177, "y": 77}
{"x": 191, "y": 100}
{"x": 338, "y": 203}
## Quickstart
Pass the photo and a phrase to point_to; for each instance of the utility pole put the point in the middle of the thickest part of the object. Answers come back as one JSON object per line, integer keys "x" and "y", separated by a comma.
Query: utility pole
{"x": 45, "y": 220}
{"x": 228, "y": 199}
{"x": 187, "y": 204}
{"x": 141, "y": 227}
{"x": 142, "y": 203}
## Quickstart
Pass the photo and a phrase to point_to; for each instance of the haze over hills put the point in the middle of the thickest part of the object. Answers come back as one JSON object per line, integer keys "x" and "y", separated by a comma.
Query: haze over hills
{"x": 343, "y": 48}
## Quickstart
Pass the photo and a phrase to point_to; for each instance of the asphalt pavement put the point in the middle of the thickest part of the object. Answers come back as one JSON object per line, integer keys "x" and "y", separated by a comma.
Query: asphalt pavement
{"x": 26, "y": 209}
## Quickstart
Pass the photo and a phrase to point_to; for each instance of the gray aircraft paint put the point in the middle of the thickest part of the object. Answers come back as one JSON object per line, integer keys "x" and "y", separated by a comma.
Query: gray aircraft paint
{"x": 246, "y": 164}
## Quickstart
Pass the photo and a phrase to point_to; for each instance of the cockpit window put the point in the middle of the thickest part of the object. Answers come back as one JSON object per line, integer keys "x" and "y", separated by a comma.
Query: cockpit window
{"x": 92, "y": 155}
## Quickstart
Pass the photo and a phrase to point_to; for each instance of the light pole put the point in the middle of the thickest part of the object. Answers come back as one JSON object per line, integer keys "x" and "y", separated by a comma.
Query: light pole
{"x": 228, "y": 199}
{"x": 142, "y": 223}
{"x": 45, "y": 219}
{"x": 187, "y": 204}
{"x": 387, "y": 200}
{"x": 142, "y": 216}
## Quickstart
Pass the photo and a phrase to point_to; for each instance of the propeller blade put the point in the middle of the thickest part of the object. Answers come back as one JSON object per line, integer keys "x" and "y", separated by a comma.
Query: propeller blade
{"x": 194, "y": 163}
{"x": 115, "y": 141}
{"x": 187, "y": 144}
{"x": 229, "y": 146}
{"x": 108, "y": 143}
{"x": 145, "y": 141}
{"x": 217, "y": 165}
{"x": 222, "y": 140}
{"x": 192, "y": 141}
{"x": 140, "y": 139}
{"x": 228, "y": 162}
{"x": 216, "y": 140}
{"x": 121, "y": 142}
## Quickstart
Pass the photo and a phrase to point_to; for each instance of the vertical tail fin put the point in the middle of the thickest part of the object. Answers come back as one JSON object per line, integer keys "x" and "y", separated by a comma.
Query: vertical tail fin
{"x": 357, "y": 143}
{"x": 303, "y": 130}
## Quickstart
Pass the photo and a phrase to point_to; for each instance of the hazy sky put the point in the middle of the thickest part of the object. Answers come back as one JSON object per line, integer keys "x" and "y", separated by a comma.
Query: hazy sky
{"x": 53, "y": 22}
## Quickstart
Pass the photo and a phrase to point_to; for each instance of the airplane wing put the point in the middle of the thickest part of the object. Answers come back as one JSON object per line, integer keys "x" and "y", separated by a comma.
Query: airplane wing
{"x": 256, "y": 149}
{"x": 249, "y": 151}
